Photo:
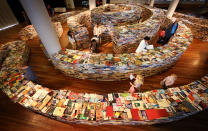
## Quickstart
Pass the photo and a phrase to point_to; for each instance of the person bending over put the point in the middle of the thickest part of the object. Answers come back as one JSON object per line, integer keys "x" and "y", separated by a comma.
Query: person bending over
{"x": 168, "y": 81}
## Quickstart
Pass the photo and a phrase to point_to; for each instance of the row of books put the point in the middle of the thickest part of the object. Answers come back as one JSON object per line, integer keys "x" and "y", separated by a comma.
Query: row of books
{"x": 115, "y": 14}
{"x": 155, "y": 106}
{"x": 84, "y": 65}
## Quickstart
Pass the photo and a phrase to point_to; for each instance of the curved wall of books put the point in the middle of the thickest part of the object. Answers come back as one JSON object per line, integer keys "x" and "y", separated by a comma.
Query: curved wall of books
{"x": 114, "y": 67}
{"x": 151, "y": 107}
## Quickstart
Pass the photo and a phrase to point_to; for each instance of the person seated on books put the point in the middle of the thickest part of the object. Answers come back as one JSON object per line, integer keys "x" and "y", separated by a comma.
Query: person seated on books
{"x": 29, "y": 74}
{"x": 144, "y": 46}
{"x": 170, "y": 31}
{"x": 72, "y": 40}
{"x": 168, "y": 81}
{"x": 94, "y": 45}
{"x": 161, "y": 36}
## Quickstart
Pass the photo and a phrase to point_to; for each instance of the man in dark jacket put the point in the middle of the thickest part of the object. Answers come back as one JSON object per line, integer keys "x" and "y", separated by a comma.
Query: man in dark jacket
{"x": 170, "y": 31}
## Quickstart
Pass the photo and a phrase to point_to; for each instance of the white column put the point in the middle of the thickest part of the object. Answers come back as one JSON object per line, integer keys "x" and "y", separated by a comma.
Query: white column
{"x": 104, "y": 2}
{"x": 92, "y": 4}
{"x": 70, "y": 4}
{"x": 172, "y": 8}
{"x": 152, "y": 3}
{"x": 40, "y": 19}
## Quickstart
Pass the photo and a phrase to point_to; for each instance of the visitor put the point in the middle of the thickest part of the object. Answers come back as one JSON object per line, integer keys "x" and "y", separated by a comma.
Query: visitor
{"x": 139, "y": 80}
{"x": 29, "y": 74}
{"x": 168, "y": 81}
{"x": 144, "y": 46}
{"x": 170, "y": 31}
{"x": 161, "y": 36}
{"x": 50, "y": 10}
{"x": 139, "y": 20}
{"x": 97, "y": 32}
{"x": 94, "y": 45}
{"x": 72, "y": 40}
{"x": 27, "y": 21}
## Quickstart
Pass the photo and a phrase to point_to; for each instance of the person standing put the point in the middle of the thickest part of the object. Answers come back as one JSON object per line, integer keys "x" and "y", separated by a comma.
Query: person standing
{"x": 72, "y": 40}
{"x": 168, "y": 81}
{"x": 94, "y": 46}
{"x": 97, "y": 32}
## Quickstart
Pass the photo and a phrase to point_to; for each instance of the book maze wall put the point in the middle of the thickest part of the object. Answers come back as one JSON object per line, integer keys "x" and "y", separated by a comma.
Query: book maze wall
{"x": 114, "y": 67}
{"x": 29, "y": 32}
{"x": 151, "y": 107}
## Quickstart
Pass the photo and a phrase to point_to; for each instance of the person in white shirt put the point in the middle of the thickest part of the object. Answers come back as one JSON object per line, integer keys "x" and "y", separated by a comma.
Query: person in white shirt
{"x": 143, "y": 46}
{"x": 72, "y": 40}
{"x": 97, "y": 31}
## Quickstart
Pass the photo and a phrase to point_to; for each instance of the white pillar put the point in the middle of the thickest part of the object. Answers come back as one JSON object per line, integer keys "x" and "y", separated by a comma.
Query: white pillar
{"x": 70, "y": 4}
{"x": 104, "y": 2}
{"x": 40, "y": 19}
{"x": 172, "y": 8}
{"x": 152, "y": 3}
{"x": 92, "y": 4}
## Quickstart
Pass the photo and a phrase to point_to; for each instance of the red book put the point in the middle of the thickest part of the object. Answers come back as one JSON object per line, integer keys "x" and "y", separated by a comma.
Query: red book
{"x": 109, "y": 111}
{"x": 162, "y": 112}
{"x": 135, "y": 114}
{"x": 156, "y": 113}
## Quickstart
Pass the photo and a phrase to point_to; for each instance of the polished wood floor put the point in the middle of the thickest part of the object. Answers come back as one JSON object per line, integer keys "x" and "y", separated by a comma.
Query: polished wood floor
{"x": 191, "y": 66}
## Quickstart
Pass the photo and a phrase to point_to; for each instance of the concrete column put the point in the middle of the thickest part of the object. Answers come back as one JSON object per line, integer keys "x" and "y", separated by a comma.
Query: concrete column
{"x": 152, "y": 3}
{"x": 40, "y": 19}
{"x": 172, "y": 8}
{"x": 70, "y": 4}
{"x": 104, "y": 2}
{"x": 92, "y": 4}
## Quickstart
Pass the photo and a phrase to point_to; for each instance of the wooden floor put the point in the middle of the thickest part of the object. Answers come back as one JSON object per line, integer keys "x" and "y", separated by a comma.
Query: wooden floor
{"x": 191, "y": 66}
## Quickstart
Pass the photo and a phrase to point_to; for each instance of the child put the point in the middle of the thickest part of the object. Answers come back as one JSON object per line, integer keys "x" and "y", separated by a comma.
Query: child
{"x": 139, "y": 80}
{"x": 168, "y": 81}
